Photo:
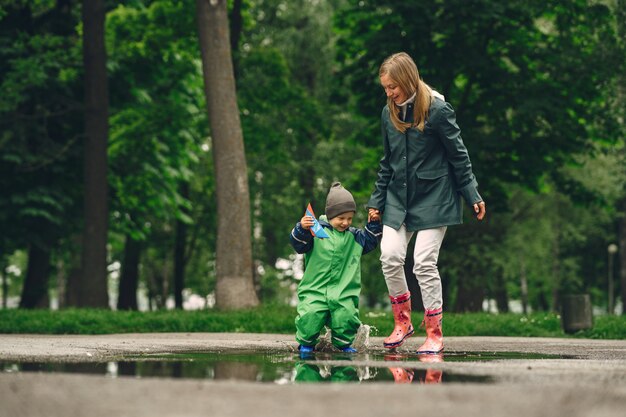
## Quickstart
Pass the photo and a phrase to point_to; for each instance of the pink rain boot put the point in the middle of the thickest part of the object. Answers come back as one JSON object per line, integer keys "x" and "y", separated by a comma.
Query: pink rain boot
{"x": 401, "y": 307}
{"x": 434, "y": 335}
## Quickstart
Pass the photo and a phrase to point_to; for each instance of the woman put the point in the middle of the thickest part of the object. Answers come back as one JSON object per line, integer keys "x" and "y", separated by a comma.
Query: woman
{"x": 424, "y": 171}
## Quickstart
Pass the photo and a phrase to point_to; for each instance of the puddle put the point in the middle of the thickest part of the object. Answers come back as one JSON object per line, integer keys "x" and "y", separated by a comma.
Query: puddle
{"x": 284, "y": 368}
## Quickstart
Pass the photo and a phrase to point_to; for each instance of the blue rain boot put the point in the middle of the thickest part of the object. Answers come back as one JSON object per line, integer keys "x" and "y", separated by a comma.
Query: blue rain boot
{"x": 306, "y": 351}
{"x": 348, "y": 349}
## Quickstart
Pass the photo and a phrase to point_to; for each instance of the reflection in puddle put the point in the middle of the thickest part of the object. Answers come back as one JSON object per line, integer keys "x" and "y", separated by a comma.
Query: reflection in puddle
{"x": 309, "y": 372}
{"x": 406, "y": 376}
{"x": 282, "y": 368}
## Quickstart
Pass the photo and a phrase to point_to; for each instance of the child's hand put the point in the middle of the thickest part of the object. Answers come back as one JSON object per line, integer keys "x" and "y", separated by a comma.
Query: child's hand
{"x": 373, "y": 215}
{"x": 306, "y": 222}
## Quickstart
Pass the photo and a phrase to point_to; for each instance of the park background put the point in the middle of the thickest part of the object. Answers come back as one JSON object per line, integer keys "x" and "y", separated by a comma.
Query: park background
{"x": 115, "y": 170}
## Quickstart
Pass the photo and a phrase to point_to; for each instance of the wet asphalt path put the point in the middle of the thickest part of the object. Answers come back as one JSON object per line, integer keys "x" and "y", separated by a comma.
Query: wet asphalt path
{"x": 590, "y": 380}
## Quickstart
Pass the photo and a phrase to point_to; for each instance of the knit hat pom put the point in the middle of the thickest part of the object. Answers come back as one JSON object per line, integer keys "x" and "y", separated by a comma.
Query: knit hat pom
{"x": 339, "y": 201}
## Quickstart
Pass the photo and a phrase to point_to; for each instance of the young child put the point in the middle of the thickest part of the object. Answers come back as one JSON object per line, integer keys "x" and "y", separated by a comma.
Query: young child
{"x": 329, "y": 291}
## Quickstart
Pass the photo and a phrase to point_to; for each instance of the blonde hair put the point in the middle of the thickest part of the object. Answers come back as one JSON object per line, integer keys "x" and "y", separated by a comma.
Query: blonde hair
{"x": 403, "y": 71}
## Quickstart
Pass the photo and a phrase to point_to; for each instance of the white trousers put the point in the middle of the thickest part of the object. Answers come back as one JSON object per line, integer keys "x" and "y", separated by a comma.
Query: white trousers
{"x": 393, "y": 252}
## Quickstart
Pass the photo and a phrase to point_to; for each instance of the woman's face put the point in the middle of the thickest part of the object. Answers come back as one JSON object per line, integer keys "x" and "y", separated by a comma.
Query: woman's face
{"x": 393, "y": 90}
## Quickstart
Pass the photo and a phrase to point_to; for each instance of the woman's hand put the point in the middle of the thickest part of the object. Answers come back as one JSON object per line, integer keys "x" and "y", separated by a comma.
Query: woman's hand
{"x": 306, "y": 222}
{"x": 373, "y": 215}
{"x": 480, "y": 210}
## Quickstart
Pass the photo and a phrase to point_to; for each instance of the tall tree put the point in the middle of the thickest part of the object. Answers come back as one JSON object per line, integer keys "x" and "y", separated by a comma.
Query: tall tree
{"x": 40, "y": 126}
{"x": 35, "y": 290}
{"x": 93, "y": 285}
{"x": 234, "y": 287}
{"x": 180, "y": 246}
{"x": 129, "y": 278}
{"x": 621, "y": 106}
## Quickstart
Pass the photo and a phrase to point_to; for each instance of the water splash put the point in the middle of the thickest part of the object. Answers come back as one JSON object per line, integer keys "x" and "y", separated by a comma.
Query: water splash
{"x": 325, "y": 343}
{"x": 361, "y": 341}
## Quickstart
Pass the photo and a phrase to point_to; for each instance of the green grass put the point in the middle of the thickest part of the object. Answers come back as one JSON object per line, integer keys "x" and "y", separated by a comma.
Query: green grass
{"x": 280, "y": 319}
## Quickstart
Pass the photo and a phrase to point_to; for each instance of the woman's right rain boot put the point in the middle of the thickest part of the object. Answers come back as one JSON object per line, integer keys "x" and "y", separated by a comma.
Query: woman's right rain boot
{"x": 434, "y": 334}
{"x": 401, "y": 307}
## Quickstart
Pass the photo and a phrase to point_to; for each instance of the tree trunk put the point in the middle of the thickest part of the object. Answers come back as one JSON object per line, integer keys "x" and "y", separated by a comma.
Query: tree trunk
{"x": 556, "y": 268}
{"x": 93, "y": 285}
{"x": 74, "y": 274}
{"x": 500, "y": 293}
{"x": 129, "y": 279}
{"x": 61, "y": 283}
{"x": 621, "y": 257}
{"x": 470, "y": 281}
{"x": 5, "y": 286}
{"x": 72, "y": 286}
{"x": 179, "y": 263}
{"x": 179, "y": 255}
{"x": 234, "y": 288}
{"x": 35, "y": 289}
{"x": 236, "y": 26}
{"x": 523, "y": 286}
{"x": 469, "y": 296}
{"x": 621, "y": 254}
{"x": 165, "y": 284}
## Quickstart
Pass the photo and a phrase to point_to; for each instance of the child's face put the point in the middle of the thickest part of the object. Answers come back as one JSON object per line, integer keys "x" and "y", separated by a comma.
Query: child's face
{"x": 342, "y": 222}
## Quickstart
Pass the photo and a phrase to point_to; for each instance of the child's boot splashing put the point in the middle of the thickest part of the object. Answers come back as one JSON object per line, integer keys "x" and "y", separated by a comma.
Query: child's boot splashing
{"x": 362, "y": 340}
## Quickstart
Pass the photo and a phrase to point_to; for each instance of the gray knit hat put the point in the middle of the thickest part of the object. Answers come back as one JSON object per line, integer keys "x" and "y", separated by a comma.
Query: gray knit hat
{"x": 339, "y": 201}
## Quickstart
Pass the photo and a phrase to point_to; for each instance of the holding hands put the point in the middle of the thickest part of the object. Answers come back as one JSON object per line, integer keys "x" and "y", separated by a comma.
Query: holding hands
{"x": 373, "y": 215}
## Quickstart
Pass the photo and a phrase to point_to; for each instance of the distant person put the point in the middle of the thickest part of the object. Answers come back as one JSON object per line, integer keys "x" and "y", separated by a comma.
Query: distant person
{"x": 424, "y": 171}
{"x": 329, "y": 291}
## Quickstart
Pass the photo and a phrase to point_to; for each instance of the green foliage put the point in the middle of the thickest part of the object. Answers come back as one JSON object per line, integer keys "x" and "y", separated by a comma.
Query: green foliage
{"x": 267, "y": 319}
{"x": 159, "y": 149}
{"x": 523, "y": 76}
{"x": 273, "y": 318}
{"x": 537, "y": 85}
{"x": 274, "y": 287}
{"x": 39, "y": 124}
{"x": 485, "y": 324}
{"x": 157, "y": 91}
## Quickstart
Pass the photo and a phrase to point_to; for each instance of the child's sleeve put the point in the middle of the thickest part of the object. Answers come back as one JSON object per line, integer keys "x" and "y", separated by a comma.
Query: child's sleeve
{"x": 301, "y": 239}
{"x": 370, "y": 236}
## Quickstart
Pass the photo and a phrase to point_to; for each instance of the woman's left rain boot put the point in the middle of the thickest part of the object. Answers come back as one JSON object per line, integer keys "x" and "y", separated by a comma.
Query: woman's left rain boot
{"x": 434, "y": 334}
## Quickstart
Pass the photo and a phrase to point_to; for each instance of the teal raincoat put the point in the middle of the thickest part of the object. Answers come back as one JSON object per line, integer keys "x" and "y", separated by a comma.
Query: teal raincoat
{"x": 423, "y": 175}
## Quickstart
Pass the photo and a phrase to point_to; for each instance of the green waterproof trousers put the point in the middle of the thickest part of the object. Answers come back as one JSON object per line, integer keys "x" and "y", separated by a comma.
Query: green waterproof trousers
{"x": 329, "y": 291}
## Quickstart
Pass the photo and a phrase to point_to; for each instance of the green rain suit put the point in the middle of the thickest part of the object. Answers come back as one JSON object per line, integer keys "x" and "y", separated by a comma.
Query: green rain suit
{"x": 329, "y": 291}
